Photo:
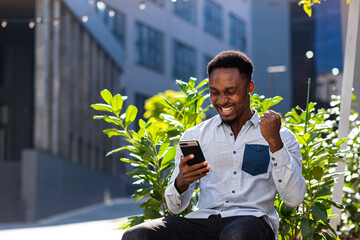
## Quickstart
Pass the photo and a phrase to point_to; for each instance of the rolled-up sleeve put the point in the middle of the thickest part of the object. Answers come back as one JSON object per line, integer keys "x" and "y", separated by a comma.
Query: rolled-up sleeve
{"x": 287, "y": 171}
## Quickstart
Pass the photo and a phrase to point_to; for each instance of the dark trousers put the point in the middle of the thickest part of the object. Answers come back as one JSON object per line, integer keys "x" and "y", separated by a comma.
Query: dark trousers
{"x": 215, "y": 227}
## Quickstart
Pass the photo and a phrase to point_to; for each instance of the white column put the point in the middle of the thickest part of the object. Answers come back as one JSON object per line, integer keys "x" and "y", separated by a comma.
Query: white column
{"x": 346, "y": 92}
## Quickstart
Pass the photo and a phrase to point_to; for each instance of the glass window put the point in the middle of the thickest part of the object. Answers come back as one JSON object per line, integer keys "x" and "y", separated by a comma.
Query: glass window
{"x": 186, "y": 10}
{"x": 118, "y": 26}
{"x": 140, "y": 104}
{"x": 237, "y": 33}
{"x": 184, "y": 61}
{"x": 114, "y": 20}
{"x": 206, "y": 59}
{"x": 149, "y": 47}
{"x": 213, "y": 19}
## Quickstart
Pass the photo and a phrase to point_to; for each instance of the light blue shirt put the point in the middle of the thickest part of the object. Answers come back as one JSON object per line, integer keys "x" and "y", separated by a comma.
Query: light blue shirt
{"x": 245, "y": 176}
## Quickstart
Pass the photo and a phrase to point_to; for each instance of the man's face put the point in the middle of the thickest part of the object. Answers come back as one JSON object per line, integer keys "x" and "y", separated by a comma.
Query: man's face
{"x": 230, "y": 93}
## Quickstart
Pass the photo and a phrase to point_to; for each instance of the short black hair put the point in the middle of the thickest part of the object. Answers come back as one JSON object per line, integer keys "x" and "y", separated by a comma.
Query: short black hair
{"x": 232, "y": 59}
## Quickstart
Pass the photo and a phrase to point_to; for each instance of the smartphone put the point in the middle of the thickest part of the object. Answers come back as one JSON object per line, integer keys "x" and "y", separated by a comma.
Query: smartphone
{"x": 192, "y": 147}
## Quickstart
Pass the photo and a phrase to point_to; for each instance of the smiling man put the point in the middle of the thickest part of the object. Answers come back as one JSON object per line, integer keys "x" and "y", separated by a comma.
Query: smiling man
{"x": 249, "y": 159}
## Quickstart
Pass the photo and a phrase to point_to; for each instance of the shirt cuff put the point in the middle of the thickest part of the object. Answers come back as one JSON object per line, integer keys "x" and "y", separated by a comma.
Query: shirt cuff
{"x": 280, "y": 157}
{"x": 177, "y": 196}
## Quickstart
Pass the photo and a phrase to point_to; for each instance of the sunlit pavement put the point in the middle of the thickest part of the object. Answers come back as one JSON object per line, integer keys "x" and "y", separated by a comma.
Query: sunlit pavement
{"x": 99, "y": 221}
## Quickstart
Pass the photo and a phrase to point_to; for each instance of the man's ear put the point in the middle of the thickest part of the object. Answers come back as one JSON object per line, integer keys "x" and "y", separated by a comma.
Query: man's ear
{"x": 251, "y": 87}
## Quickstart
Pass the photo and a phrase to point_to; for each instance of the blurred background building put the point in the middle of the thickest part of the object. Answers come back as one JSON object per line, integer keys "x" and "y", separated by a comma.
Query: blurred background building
{"x": 57, "y": 55}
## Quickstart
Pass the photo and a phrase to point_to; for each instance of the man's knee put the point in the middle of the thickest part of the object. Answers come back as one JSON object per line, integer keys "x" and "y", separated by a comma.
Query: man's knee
{"x": 234, "y": 234}
{"x": 136, "y": 233}
{"x": 247, "y": 227}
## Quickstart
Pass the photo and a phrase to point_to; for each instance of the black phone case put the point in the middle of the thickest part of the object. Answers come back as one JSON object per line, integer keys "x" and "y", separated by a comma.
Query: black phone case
{"x": 196, "y": 150}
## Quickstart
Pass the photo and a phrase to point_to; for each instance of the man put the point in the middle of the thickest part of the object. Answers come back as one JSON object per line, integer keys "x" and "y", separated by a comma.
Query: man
{"x": 249, "y": 159}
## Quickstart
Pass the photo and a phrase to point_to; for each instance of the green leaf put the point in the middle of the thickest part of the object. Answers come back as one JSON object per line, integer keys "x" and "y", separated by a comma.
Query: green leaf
{"x": 192, "y": 82}
{"x": 114, "y": 132}
{"x": 308, "y": 10}
{"x": 319, "y": 211}
{"x": 340, "y": 142}
{"x": 164, "y": 147}
{"x": 106, "y": 95}
{"x": 112, "y": 119}
{"x": 167, "y": 103}
{"x": 116, "y": 150}
{"x": 168, "y": 158}
{"x": 202, "y": 83}
{"x": 131, "y": 113}
{"x": 338, "y": 205}
{"x": 269, "y": 102}
{"x": 182, "y": 85}
{"x": 102, "y": 107}
{"x": 151, "y": 202}
{"x": 142, "y": 123}
{"x": 127, "y": 160}
{"x": 318, "y": 173}
{"x": 116, "y": 103}
{"x": 306, "y": 230}
{"x": 285, "y": 210}
{"x": 324, "y": 191}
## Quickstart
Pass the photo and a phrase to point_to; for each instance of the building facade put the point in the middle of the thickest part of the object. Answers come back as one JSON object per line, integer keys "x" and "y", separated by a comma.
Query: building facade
{"x": 56, "y": 57}
{"x": 165, "y": 40}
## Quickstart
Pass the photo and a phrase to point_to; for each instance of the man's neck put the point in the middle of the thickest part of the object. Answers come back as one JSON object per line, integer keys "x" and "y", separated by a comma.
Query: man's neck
{"x": 237, "y": 125}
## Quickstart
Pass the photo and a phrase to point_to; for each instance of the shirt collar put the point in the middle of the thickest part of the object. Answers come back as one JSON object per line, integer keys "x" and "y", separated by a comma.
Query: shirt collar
{"x": 254, "y": 119}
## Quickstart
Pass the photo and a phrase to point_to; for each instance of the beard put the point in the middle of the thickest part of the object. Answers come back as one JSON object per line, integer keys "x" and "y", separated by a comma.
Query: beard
{"x": 228, "y": 122}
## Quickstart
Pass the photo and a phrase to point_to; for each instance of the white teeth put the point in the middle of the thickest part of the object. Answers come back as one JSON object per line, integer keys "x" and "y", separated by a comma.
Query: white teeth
{"x": 227, "y": 109}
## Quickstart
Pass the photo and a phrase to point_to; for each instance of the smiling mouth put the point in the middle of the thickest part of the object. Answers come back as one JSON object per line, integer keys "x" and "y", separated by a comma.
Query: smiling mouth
{"x": 226, "y": 110}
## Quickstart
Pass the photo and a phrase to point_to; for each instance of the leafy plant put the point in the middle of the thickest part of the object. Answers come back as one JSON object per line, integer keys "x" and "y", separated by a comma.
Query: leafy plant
{"x": 320, "y": 155}
{"x": 152, "y": 151}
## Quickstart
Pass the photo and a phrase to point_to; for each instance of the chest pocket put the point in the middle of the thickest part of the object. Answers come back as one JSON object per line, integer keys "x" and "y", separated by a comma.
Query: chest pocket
{"x": 256, "y": 159}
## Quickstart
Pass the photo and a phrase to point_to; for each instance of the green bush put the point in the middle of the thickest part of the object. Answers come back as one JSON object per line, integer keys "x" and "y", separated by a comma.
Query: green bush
{"x": 152, "y": 150}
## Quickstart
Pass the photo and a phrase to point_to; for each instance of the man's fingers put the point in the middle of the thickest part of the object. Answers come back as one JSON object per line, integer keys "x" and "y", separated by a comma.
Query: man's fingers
{"x": 184, "y": 160}
{"x": 198, "y": 173}
{"x": 269, "y": 115}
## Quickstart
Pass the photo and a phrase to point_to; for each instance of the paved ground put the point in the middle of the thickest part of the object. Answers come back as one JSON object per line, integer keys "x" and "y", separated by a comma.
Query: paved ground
{"x": 95, "y": 222}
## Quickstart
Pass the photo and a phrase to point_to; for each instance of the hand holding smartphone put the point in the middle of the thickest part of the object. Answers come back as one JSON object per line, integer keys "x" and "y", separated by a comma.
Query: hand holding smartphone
{"x": 192, "y": 147}
{"x": 183, "y": 180}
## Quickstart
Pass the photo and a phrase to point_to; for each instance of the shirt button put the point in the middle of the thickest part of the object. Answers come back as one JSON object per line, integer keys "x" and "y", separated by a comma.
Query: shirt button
{"x": 231, "y": 134}
{"x": 280, "y": 181}
{"x": 234, "y": 172}
{"x": 273, "y": 158}
{"x": 234, "y": 152}
{"x": 275, "y": 164}
{"x": 233, "y": 191}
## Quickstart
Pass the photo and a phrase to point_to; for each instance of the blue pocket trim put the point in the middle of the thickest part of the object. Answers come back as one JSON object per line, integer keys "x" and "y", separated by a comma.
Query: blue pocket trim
{"x": 256, "y": 159}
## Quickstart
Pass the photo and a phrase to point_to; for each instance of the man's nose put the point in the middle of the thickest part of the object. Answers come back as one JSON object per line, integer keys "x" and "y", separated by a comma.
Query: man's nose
{"x": 222, "y": 100}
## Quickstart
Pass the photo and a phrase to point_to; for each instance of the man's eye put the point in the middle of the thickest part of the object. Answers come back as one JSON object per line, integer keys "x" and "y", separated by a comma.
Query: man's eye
{"x": 214, "y": 93}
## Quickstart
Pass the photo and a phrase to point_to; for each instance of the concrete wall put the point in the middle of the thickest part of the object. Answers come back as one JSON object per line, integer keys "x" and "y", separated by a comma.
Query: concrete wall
{"x": 52, "y": 185}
